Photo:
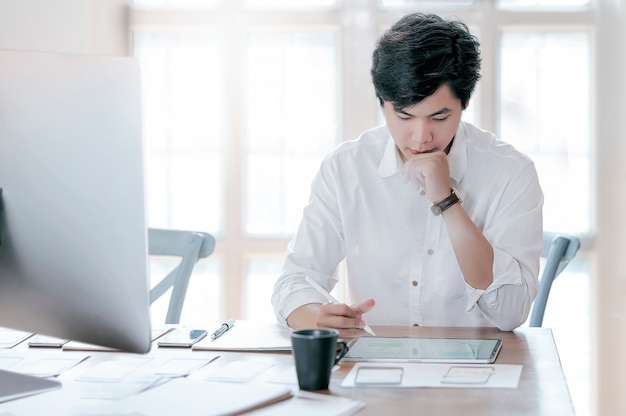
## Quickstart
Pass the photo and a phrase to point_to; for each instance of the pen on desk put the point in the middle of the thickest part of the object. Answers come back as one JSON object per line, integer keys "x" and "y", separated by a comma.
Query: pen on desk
{"x": 330, "y": 297}
{"x": 225, "y": 327}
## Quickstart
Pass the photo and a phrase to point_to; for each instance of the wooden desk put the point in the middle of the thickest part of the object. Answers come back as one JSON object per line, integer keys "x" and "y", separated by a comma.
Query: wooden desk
{"x": 542, "y": 389}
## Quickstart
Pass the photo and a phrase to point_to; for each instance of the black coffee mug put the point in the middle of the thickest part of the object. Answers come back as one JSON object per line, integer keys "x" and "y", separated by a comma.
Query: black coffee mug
{"x": 316, "y": 351}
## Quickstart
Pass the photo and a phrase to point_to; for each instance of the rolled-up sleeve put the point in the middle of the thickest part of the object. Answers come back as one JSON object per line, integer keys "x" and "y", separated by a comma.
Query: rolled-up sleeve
{"x": 290, "y": 293}
{"x": 516, "y": 235}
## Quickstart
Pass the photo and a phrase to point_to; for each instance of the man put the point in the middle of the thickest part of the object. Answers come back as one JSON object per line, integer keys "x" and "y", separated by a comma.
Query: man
{"x": 439, "y": 223}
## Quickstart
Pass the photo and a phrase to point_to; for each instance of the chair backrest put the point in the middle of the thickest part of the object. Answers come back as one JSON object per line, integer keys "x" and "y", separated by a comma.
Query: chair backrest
{"x": 190, "y": 246}
{"x": 558, "y": 250}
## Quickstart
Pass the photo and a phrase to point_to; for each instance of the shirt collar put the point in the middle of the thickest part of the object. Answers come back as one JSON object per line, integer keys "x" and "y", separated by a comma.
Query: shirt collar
{"x": 391, "y": 162}
{"x": 457, "y": 157}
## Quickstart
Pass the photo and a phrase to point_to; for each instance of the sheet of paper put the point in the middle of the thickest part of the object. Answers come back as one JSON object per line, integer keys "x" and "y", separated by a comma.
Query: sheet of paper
{"x": 49, "y": 366}
{"x": 239, "y": 371}
{"x": 131, "y": 385}
{"x": 7, "y": 362}
{"x": 249, "y": 336}
{"x": 182, "y": 366}
{"x": 311, "y": 404}
{"x": 11, "y": 337}
{"x": 191, "y": 397}
{"x": 113, "y": 371}
{"x": 38, "y": 364}
{"x": 444, "y": 375}
{"x": 282, "y": 375}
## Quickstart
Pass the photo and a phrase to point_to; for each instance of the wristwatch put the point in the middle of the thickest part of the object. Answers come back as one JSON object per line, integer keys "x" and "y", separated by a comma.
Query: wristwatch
{"x": 439, "y": 208}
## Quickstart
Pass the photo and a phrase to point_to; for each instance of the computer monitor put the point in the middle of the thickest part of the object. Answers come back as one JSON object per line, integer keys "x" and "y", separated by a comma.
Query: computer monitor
{"x": 73, "y": 233}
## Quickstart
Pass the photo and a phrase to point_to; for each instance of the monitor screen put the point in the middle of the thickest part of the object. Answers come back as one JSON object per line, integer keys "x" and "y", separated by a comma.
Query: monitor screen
{"x": 73, "y": 234}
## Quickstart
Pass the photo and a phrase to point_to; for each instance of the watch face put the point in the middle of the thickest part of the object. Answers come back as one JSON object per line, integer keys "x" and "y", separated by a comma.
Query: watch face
{"x": 452, "y": 199}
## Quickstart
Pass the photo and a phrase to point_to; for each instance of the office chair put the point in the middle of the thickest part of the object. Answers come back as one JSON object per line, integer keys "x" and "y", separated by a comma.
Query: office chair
{"x": 558, "y": 250}
{"x": 190, "y": 246}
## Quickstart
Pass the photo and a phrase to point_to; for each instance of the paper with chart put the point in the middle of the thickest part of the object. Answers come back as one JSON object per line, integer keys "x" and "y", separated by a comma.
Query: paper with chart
{"x": 433, "y": 375}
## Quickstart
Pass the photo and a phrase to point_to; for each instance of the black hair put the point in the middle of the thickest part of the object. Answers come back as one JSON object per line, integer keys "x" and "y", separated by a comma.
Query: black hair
{"x": 421, "y": 52}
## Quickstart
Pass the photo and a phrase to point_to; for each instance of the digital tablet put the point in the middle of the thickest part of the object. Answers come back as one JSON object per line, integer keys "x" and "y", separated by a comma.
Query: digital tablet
{"x": 433, "y": 350}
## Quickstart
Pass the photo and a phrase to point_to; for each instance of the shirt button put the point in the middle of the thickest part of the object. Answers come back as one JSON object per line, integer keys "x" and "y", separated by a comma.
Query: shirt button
{"x": 414, "y": 283}
{"x": 422, "y": 192}
{"x": 430, "y": 251}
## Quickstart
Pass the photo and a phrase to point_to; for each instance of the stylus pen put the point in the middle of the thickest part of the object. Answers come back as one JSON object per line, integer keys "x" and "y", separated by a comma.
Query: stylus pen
{"x": 225, "y": 327}
{"x": 330, "y": 297}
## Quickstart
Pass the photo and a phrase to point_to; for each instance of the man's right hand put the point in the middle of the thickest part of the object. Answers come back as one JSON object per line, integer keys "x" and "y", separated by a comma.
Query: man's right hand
{"x": 347, "y": 319}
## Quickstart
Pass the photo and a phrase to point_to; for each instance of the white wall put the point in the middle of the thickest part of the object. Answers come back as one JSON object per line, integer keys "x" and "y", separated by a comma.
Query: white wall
{"x": 610, "y": 270}
{"x": 98, "y": 26}
{"x": 74, "y": 26}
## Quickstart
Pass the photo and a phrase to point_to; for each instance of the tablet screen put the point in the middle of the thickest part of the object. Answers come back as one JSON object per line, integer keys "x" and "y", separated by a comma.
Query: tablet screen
{"x": 448, "y": 350}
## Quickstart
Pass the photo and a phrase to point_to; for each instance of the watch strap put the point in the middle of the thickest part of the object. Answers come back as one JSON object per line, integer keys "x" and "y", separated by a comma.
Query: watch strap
{"x": 452, "y": 199}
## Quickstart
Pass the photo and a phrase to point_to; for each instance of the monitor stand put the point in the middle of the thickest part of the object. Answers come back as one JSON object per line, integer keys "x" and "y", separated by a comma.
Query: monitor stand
{"x": 15, "y": 385}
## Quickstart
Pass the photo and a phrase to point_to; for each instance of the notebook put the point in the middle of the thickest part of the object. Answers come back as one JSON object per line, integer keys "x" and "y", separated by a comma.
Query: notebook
{"x": 249, "y": 336}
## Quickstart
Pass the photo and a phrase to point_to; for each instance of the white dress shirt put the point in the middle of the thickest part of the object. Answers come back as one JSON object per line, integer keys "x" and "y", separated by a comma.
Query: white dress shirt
{"x": 399, "y": 253}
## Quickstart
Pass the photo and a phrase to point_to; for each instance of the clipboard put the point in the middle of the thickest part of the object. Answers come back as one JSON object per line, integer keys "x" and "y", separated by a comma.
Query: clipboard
{"x": 249, "y": 336}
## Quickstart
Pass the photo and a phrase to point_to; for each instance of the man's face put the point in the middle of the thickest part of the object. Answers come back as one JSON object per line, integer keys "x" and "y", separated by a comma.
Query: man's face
{"x": 428, "y": 126}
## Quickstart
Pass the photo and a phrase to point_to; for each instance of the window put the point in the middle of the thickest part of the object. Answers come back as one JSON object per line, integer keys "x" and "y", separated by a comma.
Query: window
{"x": 291, "y": 113}
{"x": 545, "y": 111}
{"x": 243, "y": 99}
{"x": 240, "y": 108}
